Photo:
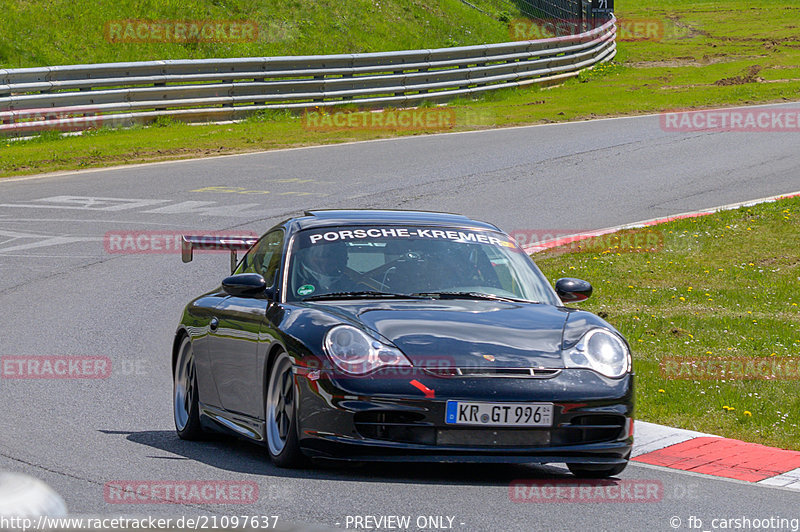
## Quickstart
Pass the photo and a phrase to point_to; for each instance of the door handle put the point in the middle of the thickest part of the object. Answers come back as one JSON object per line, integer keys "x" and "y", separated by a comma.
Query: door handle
{"x": 214, "y": 324}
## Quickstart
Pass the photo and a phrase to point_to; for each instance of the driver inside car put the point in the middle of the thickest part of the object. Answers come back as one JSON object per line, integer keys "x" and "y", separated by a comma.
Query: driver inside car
{"x": 324, "y": 268}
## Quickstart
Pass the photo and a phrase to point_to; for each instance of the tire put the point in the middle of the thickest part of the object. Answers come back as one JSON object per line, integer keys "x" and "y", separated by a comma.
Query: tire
{"x": 280, "y": 411}
{"x": 594, "y": 471}
{"x": 185, "y": 404}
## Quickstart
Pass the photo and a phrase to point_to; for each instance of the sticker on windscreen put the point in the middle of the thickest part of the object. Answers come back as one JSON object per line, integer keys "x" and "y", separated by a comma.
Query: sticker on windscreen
{"x": 305, "y": 290}
{"x": 367, "y": 233}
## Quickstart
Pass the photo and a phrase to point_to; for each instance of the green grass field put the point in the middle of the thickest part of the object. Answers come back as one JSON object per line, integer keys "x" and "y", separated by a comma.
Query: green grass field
{"x": 706, "y": 54}
{"x": 724, "y": 285}
{"x": 59, "y": 32}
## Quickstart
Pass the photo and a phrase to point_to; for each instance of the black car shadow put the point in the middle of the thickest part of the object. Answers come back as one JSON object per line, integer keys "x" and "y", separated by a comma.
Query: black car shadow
{"x": 240, "y": 456}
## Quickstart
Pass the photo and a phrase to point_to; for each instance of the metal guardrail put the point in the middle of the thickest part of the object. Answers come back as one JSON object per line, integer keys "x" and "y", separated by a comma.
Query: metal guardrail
{"x": 77, "y": 97}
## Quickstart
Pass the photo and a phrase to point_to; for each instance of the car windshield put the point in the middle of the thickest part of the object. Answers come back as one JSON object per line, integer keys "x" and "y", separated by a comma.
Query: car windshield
{"x": 387, "y": 261}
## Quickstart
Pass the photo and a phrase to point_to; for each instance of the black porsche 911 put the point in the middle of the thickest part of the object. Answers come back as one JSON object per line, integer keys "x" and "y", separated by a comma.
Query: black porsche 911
{"x": 401, "y": 336}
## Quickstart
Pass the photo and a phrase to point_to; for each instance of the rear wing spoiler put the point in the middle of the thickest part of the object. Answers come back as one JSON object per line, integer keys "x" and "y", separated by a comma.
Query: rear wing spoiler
{"x": 216, "y": 243}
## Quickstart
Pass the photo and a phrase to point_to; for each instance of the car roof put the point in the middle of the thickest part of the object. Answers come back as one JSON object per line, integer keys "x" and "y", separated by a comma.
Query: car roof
{"x": 339, "y": 217}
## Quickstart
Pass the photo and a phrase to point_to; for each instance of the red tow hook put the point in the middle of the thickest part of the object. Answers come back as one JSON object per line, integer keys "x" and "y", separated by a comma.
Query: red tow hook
{"x": 430, "y": 394}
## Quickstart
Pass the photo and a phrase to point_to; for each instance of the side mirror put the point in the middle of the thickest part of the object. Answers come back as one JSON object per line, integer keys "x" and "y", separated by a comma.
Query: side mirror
{"x": 245, "y": 285}
{"x": 269, "y": 293}
{"x": 573, "y": 290}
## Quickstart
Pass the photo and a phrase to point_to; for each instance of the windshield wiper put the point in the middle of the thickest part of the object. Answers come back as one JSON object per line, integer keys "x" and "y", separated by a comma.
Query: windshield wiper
{"x": 471, "y": 295}
{"x": 361, "y": 295}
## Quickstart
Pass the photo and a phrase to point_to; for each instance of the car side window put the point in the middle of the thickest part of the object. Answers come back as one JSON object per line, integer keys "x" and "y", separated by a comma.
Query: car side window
{"x": 265, "y": 257}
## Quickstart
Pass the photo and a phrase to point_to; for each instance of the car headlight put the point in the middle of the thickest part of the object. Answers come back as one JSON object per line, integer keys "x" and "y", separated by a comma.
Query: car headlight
{"x": 355, "y": 352}
{"x": 602, "y": 351}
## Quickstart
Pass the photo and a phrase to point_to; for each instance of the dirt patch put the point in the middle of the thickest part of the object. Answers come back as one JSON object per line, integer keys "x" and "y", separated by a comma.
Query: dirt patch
{"x": 783, "y": 80}
{"x": 691, "y": 31}
{"x": 666, "y": 63}
{"x": 685, "y": 61}
{"x": 750, "y": 76}
{"x": 783, "y": 260}
{"x": 767, "y": 42}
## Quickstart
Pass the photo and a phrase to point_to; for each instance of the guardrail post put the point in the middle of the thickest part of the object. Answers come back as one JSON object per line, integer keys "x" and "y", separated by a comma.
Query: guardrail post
{"x": 397, "y": 72}
{"x": 319, "y": 76}
{"x": 258, "y": 80}
{"x": 347, "y": 98}
{"x": 423, "y": 91}
{"x": 160, "y": 84}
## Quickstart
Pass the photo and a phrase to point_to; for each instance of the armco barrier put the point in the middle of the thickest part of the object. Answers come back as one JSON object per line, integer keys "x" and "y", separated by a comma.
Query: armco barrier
{"x": 79, "y": 97}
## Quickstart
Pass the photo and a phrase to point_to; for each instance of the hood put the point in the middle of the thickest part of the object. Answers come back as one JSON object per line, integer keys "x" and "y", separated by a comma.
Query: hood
{"x": 465, "y": 333}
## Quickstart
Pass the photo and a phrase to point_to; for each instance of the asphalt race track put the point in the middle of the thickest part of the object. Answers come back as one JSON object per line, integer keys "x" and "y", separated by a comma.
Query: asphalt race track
{"x": 63, "y": 293}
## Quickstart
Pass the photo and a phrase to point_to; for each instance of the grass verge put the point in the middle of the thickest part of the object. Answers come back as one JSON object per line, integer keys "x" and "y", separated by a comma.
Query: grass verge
{"x": 62, "y": 32}
{"x": 723, "y": 285}
{"x": 706, "y": 54}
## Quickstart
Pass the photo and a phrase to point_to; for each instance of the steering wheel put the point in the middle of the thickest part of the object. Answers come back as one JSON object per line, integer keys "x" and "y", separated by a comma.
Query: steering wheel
{"x": 369, "y": 278}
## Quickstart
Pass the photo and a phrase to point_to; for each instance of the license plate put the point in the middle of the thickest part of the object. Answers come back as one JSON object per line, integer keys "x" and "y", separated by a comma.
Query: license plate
{"x": 499, "y": 414}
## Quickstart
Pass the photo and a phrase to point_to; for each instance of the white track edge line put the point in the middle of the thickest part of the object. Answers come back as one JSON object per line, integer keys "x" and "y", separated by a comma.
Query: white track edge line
{"x": 69, "y": 173}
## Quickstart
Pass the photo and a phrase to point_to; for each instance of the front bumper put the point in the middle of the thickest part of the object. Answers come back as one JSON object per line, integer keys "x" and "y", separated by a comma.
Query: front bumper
{"x": 390, "y": 419}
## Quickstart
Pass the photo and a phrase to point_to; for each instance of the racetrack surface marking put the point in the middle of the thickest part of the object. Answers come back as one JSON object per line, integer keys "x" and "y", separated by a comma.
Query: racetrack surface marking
{"x": 724, "y": 457}
{"x": 536, "y": 247}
